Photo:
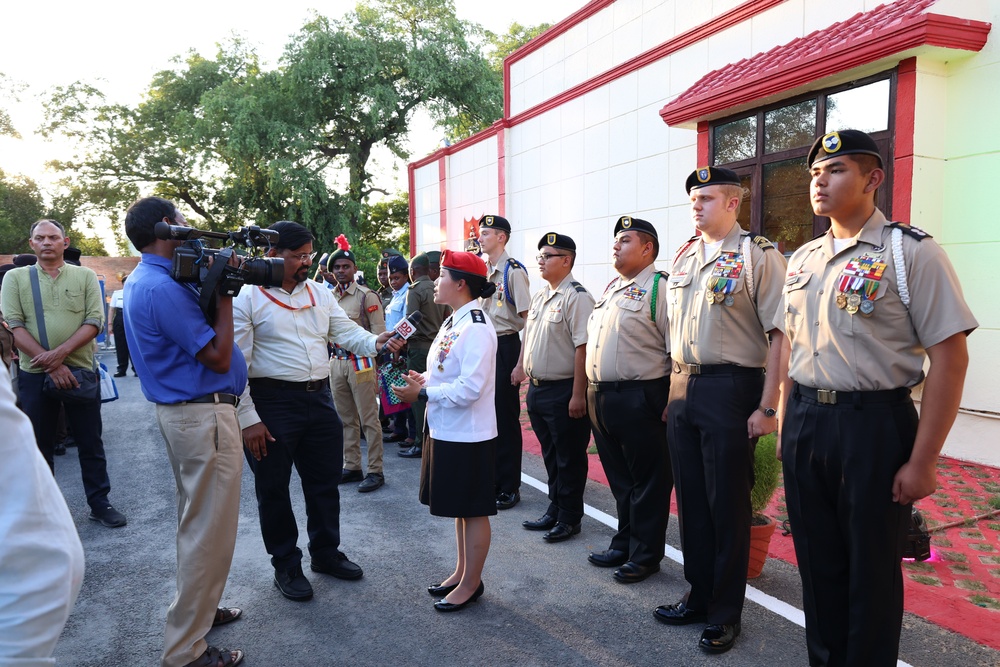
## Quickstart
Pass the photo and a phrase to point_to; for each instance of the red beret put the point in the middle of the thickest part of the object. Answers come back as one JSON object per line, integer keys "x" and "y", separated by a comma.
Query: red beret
{"x": 464, "y": 262}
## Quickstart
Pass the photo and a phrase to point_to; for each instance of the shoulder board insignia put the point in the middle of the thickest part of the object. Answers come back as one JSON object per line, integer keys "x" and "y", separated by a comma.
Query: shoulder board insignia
{"x": 761, "y": 242}
{"x": 577, "y": 286}
{"x": 516, "y": 264}
{"x": 477, "y": 316}
{"x": 911, "y": 231}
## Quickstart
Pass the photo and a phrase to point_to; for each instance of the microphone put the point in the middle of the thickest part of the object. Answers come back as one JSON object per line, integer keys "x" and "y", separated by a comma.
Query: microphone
{"x": 406, "y": 328}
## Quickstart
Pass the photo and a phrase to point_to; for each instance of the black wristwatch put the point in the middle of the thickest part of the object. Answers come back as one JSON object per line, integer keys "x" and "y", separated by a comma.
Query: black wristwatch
{"x": 768, "y": 412}
{"x": 423, "y": 395}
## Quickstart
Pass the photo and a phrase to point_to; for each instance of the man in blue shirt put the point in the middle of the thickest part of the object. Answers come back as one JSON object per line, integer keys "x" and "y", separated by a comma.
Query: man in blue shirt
{"x": 193, "y": 372}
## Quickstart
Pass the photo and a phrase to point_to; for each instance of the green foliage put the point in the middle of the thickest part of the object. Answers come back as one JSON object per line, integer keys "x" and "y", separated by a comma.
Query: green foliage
{"x": 8, "y": 90}
{"x": 516, "y": 36}
{"x": 20, "y": 205}
{"x": 766, "y": 473}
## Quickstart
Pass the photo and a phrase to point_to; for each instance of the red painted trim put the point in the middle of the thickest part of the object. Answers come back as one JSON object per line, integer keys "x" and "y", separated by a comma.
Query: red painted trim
{"x": 902, "y": 169}
{"x": 443, "y": 196}
{"x": 460, "y": 145}
{"x": 926, "y": 29}
{"x": 411, "y": 180}
{"x": 704, "y": 154}
{"x": 501, "y": 172}
{"x": 697, "y": 34}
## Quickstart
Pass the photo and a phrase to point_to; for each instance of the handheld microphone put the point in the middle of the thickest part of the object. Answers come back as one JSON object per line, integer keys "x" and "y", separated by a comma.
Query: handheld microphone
{"x": 406, "y": 328}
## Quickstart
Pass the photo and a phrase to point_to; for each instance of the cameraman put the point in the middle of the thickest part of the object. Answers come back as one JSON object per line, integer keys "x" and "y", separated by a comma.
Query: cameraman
{"x": 193, "y": 372}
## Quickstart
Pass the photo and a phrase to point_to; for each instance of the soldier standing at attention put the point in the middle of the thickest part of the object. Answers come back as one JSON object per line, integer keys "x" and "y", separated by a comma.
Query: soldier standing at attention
{"x": 628, "y": 368}
{"x": 864, "y": 306}
{"x": 507, "y": 309}
{"x": 555, "y": 343}
{"x": 725, "y": 286}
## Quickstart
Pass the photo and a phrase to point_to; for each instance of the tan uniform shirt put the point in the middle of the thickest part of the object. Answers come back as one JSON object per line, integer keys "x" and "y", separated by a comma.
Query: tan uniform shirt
{"x": 623, "y": 343}
{"x": 556, "y": 326}
{"x": 733, "y": 331}
{"x": 505, "y": 316}
{"x": 357, "y": 299}
{"x": 420, "y": 297}
{"x": 833, "y": 349}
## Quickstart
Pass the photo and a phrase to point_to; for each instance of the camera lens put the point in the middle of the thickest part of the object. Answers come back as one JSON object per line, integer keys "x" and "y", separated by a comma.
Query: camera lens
{"x": 266, "y": 271}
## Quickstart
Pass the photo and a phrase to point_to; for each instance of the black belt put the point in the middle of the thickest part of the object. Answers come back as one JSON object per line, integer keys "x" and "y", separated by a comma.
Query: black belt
{"x": 856, "y": 398}
{"x": 341, "y": 353}
{"x": 270, "y": 383}
{"x": 716, "y": 369}
{"x": 507, "y": 338}
{"x": 546, "y": 383}
{"x": 624, "y": 385}
{"x": 229, "y": 399}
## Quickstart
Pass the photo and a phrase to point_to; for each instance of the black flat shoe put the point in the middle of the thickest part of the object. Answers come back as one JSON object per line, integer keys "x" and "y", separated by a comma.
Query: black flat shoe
{"x": 719, "y": 638}
{"x": 506, "y": 500}
{"x": 439, "y": 591}
{"x": 544, "y": 522}
{"x": 561, "y": 531}
{"x": 679, "y": 614}
{"x": 631, "y": 572}
{"x": 445, "y": 606}
{"x": 413, "y": 452}
{"x": 348, "y": 476}
{"x": 608, "y": 558}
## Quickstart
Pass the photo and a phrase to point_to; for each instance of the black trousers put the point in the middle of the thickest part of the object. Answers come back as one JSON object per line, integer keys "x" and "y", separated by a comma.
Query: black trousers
{"x": 121, "y": 343}
{"x": 85, "y": 422}
{"x": 632, "y": 443}
{"x": 712, "y": 460}
{"x": 308, "y": 434}
{"x": 839, "y": 463}
{"x": 508, "y": 406}
{"x": 416, "y": 360}
{"x": 564, "y": 443}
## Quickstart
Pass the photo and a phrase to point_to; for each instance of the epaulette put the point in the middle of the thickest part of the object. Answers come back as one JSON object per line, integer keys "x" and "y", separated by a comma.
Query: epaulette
{"x": 516, "y": 264}
{"x": 761, "y": 241}
{"x": 684, "y": 248}
{"x": 910, "y": 230}
{"x": 577, "y": 286}
{"x": 477, "y": 316}
{"x": 608, "y": 286}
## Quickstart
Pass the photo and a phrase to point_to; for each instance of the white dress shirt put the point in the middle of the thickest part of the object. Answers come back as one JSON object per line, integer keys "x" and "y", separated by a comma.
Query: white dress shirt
{"x": 459, "y": 380}
{"x": 41, "y": 558}
{"x": 288, "y": 340}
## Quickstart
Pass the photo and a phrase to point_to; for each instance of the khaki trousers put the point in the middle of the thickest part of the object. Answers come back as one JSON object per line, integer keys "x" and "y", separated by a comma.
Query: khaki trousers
{"x": 204, "y": 445}
{"x": 357, "y": 405}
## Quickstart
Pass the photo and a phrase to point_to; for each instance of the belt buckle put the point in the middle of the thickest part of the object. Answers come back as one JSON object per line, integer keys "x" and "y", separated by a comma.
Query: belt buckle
{"x": 826, "y": 397}
{"x": 694, "y": 369}
{"x": 313, "y": 385}
{"x": 534, "y": 381}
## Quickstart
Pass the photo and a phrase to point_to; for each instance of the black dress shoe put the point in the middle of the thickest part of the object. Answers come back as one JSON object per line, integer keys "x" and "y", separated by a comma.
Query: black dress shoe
{"x": 719, "y": 638}
{"x": 506, "y": 500}
{"x": 413, "y": 452}
{"x": 608, "y": 558}
{"x": 394, "y": 437}
{"x": 59, "y": 450}
{"x": 443, "y": 605}
{"x": 545, "y": 522}
{"x": 373, "y": 481}
{"x": 338, "y": 566}
{"x": 120, "y": 374}
{"x": 631, "y": 572}
{"x": 679, "y": 614}
{"x": 439, "y": 591}
{"x": 349, "y": 476}
{"x": 562, "y": 531}
{"x": 293, "y": 584}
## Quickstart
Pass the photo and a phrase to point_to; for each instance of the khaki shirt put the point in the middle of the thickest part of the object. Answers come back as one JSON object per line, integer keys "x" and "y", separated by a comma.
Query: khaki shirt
{"x": 555, "y": 327}
{"x": 703, "y": 333}
{"x": 421, "y": 298}
{"x": 70, "y": 300}
{"x": 623, "y": 343}
{"x": 357, "y": 297}
{"x": 832, "y": 349}
{"x": 504, "y": 316}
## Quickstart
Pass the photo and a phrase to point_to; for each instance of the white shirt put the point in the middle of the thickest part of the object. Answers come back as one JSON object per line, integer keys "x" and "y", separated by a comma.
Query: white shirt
{"x": 41, "y": 558}
{"x": 289, "y": 341}
{"x": 459, "y": 380}
{"x": 118, "y": 299}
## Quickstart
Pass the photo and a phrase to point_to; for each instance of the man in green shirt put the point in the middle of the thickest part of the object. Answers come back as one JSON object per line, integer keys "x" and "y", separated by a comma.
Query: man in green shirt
{"x": 73, "y": 314}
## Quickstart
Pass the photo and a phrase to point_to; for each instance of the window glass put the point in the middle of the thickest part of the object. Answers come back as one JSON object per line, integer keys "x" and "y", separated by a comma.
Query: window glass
{"x": 788, "y": 216}
{"x": 865, "y": 108}
{"x": 790, "y": 127}
{"x": 736, "y": 141}
{"x": 746, "y": 206}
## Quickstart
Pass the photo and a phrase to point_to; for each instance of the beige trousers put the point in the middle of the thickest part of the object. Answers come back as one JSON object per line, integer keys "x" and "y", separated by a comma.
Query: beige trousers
{"x": 357, "y": 405}
{"x": 205, "y": 448}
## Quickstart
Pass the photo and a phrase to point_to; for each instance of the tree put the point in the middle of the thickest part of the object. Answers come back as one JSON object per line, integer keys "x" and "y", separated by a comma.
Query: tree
{"x": 8, "y": 90}
{"x": 505, "y": 44}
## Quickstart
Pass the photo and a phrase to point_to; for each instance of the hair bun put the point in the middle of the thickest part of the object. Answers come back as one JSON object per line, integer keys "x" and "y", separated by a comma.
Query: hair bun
{"x": 488, "y": 290}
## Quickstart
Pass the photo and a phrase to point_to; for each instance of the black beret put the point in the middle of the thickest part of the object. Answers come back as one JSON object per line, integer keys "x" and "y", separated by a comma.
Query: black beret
{"x": 434, "y": 256}
{"x": 495, "y": 222}
{"x": 397, "y": 264}
{"x": 844, "y": 142}
{"x": 627, "y": 223}
{"x": 420, "y": 260}
{"x": 25, "y": 259}
{"x": 705, "y": 176}
{"x": 387, "y": 253}
{"x": 291, "y": 235}
{"x": 560, "y": 241}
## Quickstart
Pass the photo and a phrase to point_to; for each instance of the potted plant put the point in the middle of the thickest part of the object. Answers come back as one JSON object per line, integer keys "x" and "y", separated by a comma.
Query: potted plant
{"x": 766, "y": 472}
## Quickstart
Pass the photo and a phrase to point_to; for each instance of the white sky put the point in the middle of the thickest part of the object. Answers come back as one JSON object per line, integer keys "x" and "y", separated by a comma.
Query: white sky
{"x": 118, "y": 45}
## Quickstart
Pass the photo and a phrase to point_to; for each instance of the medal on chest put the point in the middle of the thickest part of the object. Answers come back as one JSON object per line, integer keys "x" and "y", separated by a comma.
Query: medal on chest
{"x": 499, "y": 295}
{"x": 722, "y": 282}
{"x": 444, "y": 348}
{"x": 858, "y": 283}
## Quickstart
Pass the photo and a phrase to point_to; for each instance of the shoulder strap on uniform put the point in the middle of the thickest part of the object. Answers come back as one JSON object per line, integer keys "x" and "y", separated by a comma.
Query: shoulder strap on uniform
{"x": 682, "y": 250}
{"x": 748, "y": 266}
{"x": 910, "y": 230}
{"x": 900, "y": 264}
{"x": 577, "y": 286}
{"x": 761, "y": 241}
{"x": 656, "y": 289}
{"x": 477, "y": 316}
{"x": 608, "y": 286}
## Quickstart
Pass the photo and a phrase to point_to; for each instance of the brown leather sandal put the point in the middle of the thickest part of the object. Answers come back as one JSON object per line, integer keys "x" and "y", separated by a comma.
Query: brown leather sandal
{"x": 214, "y": 657}
{"x": 225, "y": 615}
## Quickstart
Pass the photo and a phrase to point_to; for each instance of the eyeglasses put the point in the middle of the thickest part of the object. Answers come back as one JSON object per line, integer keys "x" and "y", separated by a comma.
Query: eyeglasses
{"x": 544, "y": 257}
{"x": 305, "y": 257}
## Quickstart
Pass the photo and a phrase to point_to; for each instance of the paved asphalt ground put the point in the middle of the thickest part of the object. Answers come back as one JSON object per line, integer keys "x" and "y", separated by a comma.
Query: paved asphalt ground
{"x": 544, "y": 604}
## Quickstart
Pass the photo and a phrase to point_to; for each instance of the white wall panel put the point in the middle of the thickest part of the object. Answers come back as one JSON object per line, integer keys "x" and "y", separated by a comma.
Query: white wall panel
{"x": 622, "y": 187}
{"x": 623, "y": 139}
{"x": 623, "y": 94}
{"x": 596, "y": 106}
{"x": 626, "y": 42}
{"x": 595, "y": 193}
{"x": 596, "y": 147}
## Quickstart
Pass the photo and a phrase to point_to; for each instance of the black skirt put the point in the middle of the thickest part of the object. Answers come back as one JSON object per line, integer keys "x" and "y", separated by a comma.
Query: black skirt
{"x": 456, "y": 478}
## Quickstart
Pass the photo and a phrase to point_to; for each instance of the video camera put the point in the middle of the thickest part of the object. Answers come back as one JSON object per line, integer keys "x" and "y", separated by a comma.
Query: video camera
{"x": 191, "y": 263}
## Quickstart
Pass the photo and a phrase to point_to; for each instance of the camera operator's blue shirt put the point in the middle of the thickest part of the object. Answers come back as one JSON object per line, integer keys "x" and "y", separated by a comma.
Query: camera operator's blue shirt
{"x": 165, "y": 329}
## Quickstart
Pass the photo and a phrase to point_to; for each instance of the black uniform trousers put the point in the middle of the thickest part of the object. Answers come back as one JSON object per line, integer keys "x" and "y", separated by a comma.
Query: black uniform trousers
{"x": 564, "y": 443}
{"x": 712, "y": 460}
{"x": 508, "y": 407}
{"x": 416, "y": 360}
{"x": 839, "y": 463}
{"x": 308, "y": 434}
{"x": 121, "y": 344}
{"x": 632, "y": 443}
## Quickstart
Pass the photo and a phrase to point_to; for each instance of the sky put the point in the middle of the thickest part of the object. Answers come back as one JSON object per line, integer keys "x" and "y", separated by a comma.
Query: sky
{"x": 119, "y": 45}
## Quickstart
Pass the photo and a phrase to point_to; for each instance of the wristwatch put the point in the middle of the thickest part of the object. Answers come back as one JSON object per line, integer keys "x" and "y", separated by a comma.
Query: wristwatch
{"x": 423, "y": 395}
{"x": 768, "y": 412}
